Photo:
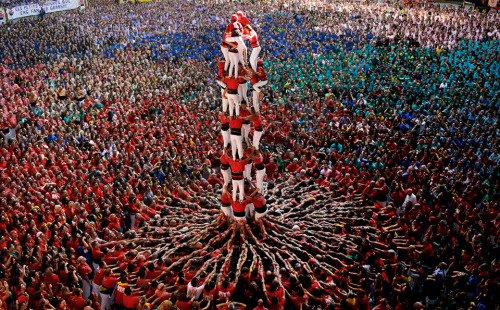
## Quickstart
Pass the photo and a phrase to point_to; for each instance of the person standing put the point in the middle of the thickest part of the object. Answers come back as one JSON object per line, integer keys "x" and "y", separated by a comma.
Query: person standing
{"x": 245, "y": 128}
{"x": 260, "y": 170}
{"x": 256, "y": 48}
{"x": 237, "y": 168}
{"x": 224, "y": 128}
{"x": 235, "y": 124}
{"x": 259, "y": 79}
{"x": 224, "y": 166}
{"x": 231, "y": 93}
{"x": 106, "y": 289}
{"x": 220, "y": 80}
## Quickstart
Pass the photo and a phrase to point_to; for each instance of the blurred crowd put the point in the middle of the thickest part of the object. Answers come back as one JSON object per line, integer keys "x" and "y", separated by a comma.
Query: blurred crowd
{"x": 380, "y": 148}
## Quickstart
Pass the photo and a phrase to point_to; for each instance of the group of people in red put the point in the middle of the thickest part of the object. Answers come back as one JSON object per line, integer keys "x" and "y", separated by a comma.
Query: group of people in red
{"x": 240, "y": 199}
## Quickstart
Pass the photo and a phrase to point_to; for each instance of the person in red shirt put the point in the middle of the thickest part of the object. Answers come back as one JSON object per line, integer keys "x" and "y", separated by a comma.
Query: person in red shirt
{"x": 106, "y": 289}
{"x": 226, "y": 205}
{"x": 224, "y": 166}
{"x": 120, "y": 290}
{"x": 129, "y": 300}
{"x": 237, "y": 168}
{"x": 260, "y": 169}
{"x": 84, "y": 270}
{"x": 234, "y": 38}
{"x": 254, "y": 41}
{"x": 239, "y": 208}
{"x": 236, "y": 139}
{"x": 260, "y": 305}
{"x": 99, "y": 275}
{"x": 220, "y": 80}
{"x": 224, "y": 128}
{"x": 259, "y": 79}
{"x": 225, "y": 289}
{"x": 231, "y": 93}
{"x": 50, "y": 278}
{"x": 76, "y": 301}
{"x": 293, "y": 167}
{"x": 245, "y": 115}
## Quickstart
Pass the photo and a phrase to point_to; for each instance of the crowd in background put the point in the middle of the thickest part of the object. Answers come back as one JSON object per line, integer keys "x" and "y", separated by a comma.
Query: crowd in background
{"x": 380, "y": 146}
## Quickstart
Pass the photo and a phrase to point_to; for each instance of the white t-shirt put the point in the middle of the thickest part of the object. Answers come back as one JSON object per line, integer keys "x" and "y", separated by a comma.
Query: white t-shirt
{"x": 194, "y": 291}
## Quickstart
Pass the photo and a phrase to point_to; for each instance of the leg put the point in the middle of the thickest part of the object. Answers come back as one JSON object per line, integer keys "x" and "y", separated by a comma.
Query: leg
{"x": 235, "y": 188}
{"x": 234, "y": 64}
{"x": 254, "y": 57}
{"x": 239, "y": 141}
{"x": 237, "y": 107}
{"x": 255, "y": 99}
{"x": 243, "y": 91}
{"x": 241, "y": 184}
{"x": 225, "y": 137}
{"x": 232, "y": 103}
{"x": 256, "y": 138}
{"x": 246, "y": 133}
{"x": 258, "y": 85}
{"x": 234, "y": 146}
{"x": 259, "y": 176}
{"x": 248, "y": 172}
{"x": 225, "y": 52}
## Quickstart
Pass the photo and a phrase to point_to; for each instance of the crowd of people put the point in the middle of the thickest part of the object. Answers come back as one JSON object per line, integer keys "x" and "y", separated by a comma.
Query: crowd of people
{"x": 379, "y": 143}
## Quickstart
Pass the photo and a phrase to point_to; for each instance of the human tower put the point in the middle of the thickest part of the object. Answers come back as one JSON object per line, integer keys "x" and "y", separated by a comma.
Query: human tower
{"x": 241, "y": 199}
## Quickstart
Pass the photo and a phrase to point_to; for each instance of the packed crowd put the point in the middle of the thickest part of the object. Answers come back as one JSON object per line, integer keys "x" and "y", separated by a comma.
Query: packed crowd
{"x": 380, "y": 148}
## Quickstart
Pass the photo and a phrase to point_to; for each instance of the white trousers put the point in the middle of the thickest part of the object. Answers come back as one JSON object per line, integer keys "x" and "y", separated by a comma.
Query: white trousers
{"x": 241, "y": 48}
{"x": 234, "y": 104}
{"x": 238, "y": 187}
{"x": 243, "y": 92}
{"x": 237, "y": 146}
{"x": 247, "y": 174}
{"x": 225, "y": 137}
{"x": 225, "y": 102}
{"x": 233, "y": 65}
{"x": 245, "y": 131}
{"x": 255, "y": 94}
{"x": 250, "y": 210}
{"x": 226, "y": 175}
{"x": 225, "y": 52}
{"x": 228, "y": 211}
{"x": 254, "y": 56}
{"x": 259, "y": 177}
{"x": 256, "y": 138}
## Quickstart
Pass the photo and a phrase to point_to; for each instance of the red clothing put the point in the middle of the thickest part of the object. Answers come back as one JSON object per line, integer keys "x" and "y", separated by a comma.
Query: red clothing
{"x": 225, "y": 293}
{"x": 130, "y": 301}
{"x": 109, "y": 282}
{"x": 99, "y": 276}
{"x": 235, "y": 125}
{"x": 233, "y": 84}
{"x": 120, "y": 292}
{"x": 238, "y": 206}
{"x": 260, "y": 75}
{"x": 257, "y": 122}
{"x": 76, "y": 302}
{"x": 237, "y": 168}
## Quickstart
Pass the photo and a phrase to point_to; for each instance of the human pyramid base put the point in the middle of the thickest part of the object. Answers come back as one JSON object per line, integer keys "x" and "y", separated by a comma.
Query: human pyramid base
{"x": 240, "y": 199}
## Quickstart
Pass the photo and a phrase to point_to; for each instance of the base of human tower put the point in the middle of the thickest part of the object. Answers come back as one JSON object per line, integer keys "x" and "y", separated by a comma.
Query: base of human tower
{"x": 304, "y": 226}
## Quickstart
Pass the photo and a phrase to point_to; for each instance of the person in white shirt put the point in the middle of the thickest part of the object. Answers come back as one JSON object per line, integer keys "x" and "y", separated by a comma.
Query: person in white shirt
{"x": 193, "y": 290}
{"x": 410, "y": 201}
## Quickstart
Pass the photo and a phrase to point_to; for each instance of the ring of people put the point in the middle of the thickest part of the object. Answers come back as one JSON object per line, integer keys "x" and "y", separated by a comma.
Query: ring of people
{"x": 155, "y": 155}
